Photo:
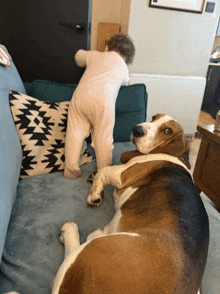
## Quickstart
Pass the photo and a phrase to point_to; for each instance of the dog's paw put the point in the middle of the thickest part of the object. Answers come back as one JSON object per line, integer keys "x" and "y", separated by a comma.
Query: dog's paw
{"x": 13, "y": 292}
{"x": 91, "y": 177}
{"x": 94, "y": 200}
{"x": 67, "y": 228}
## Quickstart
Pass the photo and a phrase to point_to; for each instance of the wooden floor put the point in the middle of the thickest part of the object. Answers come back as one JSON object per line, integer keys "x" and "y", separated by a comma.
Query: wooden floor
{"x": 205, "y": 119}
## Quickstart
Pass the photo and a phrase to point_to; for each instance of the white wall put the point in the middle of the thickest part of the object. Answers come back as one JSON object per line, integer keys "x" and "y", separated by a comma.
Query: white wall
{"x": 171, "y": 42}
{"x": 172, "y": 55}
{"x": 177, "y": 96}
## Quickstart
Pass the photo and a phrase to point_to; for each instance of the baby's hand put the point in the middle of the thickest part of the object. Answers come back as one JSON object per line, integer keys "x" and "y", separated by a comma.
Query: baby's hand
{"x": 5, "y": 57}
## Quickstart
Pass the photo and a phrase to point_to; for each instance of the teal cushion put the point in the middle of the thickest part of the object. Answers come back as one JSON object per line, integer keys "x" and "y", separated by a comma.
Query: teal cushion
{"x": 131, "y": 103}
{"x": 131, "y": 107}
{"x": 29, "y": 87}
{"x": 51, "y": 91}
{"x": 10, "y": 149}
{"x": 132, "y": 98}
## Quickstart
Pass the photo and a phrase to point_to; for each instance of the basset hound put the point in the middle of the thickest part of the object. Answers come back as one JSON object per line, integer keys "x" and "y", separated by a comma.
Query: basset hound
{"x": 157, "y": 242}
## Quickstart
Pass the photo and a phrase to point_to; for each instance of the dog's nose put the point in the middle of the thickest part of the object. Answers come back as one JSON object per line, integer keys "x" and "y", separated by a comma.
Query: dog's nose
{"x": 137, "y": 131}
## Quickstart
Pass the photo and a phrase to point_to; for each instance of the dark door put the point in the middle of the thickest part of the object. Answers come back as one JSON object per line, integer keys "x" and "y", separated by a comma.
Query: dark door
{"x": 43, "y": 36}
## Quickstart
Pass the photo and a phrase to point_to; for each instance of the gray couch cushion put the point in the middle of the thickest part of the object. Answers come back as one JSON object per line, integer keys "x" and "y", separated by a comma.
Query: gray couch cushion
{"x": 33, "y": 253}
{"x": 10, "y": 149}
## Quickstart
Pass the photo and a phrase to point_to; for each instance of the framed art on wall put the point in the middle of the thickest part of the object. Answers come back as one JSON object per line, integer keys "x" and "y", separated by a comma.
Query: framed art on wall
{"x": 185, "y": 5}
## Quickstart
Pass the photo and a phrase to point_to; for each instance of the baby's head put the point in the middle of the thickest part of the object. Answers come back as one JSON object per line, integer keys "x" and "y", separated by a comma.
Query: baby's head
{"x": 122, "y": 44}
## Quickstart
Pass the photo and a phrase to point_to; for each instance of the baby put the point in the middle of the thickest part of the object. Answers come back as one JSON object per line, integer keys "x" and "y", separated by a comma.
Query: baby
{"x": 92, "y": 108}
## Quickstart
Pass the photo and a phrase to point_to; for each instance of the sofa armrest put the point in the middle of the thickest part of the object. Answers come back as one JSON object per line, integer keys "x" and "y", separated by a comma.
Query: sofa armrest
{"x": 10, "y": 148}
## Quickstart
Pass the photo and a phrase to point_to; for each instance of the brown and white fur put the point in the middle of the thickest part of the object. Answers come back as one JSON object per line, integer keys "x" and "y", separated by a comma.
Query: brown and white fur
{"x": 157, "y": 241}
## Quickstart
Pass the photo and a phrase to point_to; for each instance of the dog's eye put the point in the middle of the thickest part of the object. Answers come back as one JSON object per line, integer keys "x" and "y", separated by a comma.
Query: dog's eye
{"x": 153, "y": 118}
{"x": 168, "y": 131}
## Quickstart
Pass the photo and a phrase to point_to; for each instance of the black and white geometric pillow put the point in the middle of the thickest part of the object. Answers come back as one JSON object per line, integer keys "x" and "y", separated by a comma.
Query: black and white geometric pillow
{"x": 41, "y": 127}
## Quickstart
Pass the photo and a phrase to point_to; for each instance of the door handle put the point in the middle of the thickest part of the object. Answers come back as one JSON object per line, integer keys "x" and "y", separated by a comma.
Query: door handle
{"x": 78, "y": 28}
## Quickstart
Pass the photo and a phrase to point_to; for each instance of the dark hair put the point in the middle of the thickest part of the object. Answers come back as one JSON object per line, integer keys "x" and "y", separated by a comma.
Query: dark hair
{"x": 122, "y": 44}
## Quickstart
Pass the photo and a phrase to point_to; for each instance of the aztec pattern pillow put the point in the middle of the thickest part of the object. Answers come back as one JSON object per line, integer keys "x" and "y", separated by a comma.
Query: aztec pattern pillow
{"x": 41, "y": 126}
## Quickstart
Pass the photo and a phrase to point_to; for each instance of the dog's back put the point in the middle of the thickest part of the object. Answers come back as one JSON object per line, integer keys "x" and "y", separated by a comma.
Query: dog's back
{"x": 170, "y": 208}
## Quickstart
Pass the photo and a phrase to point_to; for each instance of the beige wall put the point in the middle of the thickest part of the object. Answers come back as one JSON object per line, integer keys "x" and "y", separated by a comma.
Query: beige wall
{"x": 125, "y": 15}
{"x": 110, "y": 11}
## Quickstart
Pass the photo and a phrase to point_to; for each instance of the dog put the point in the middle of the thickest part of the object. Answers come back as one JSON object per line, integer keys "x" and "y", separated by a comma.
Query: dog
{"x": 158, "y": 240}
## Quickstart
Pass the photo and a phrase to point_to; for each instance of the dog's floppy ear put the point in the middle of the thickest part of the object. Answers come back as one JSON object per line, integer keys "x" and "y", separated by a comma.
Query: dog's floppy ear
{"x": 177, "y": 146}
{"x": 126, "y": 156}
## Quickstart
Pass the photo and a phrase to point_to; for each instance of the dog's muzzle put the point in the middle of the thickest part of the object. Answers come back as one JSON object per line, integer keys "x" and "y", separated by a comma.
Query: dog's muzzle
{"x": 138, "y": 131}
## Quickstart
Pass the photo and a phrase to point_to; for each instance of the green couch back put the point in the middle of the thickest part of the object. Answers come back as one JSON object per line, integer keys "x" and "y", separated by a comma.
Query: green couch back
{"x": 131, "y": 104}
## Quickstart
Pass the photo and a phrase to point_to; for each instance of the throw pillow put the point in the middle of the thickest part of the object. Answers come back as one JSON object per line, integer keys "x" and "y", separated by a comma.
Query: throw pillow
{"x": 41, "y": 126}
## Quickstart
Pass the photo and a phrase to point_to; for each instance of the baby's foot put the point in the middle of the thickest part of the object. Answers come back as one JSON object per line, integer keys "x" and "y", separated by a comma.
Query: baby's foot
{"x": 72, "y": 174}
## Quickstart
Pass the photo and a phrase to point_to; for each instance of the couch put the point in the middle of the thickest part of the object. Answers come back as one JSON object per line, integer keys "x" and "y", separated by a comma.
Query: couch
{"x": 32, "y": 210}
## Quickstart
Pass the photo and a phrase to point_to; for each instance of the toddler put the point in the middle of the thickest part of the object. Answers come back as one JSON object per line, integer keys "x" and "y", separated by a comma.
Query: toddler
{"x": 92, "y": 108}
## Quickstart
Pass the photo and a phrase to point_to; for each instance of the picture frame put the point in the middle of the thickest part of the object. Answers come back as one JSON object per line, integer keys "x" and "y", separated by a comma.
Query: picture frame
{"x": 184, "y": 5}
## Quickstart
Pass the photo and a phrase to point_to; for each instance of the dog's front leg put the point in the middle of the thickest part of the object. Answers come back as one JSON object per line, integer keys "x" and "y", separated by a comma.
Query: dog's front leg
{"x": 110, "y": 175}
{"x": 69, "y": 236}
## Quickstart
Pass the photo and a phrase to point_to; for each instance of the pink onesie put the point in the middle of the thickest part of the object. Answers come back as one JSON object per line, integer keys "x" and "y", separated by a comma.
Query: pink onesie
{"x": 92, "y": 108}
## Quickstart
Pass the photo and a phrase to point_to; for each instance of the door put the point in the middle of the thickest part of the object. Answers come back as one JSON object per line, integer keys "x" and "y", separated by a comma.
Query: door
{"x": 43, "y": 36}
